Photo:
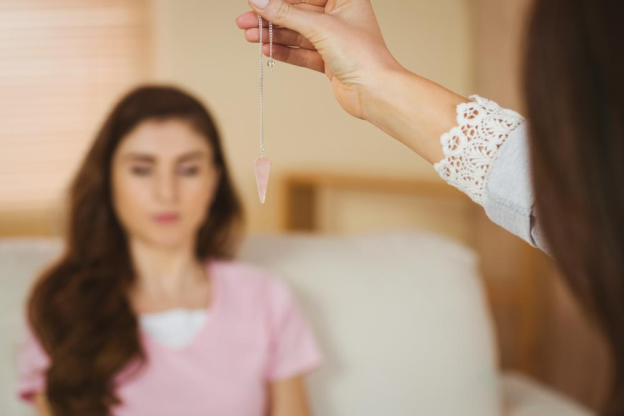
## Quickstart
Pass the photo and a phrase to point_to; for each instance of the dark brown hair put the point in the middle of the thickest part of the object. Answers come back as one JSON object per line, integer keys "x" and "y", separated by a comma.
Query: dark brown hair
{"x": 574, "y": 80}
{"x": 79, "y": 309}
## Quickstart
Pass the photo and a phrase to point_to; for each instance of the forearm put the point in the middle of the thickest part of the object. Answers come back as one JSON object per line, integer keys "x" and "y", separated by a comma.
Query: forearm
{"x": 413, "y": 110}
{"x": 476, "y": 156}
{"x": 289, "y": 398}
{"x": 41, "y": 404}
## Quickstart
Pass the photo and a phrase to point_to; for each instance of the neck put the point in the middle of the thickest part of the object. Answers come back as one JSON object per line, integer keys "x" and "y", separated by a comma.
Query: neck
{"x": 164, "y": 271}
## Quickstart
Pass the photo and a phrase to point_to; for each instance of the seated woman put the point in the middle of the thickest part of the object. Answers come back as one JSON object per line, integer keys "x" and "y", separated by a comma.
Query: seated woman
{"x": 147, "y": 312}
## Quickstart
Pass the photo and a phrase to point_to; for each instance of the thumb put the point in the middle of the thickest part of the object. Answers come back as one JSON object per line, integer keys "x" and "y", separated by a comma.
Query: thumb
{"x": 284, "y": 14}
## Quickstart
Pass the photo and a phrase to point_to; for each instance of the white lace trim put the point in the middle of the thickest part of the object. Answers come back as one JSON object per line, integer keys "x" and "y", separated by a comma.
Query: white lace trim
{"x": 470, "y": 148}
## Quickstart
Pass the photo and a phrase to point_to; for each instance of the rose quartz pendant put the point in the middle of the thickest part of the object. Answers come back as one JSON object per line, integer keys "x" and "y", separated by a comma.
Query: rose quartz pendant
{"x": 262, "y": 167}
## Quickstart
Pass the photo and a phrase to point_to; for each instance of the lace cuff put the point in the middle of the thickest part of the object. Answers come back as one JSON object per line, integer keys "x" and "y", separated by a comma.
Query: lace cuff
{"x": 470, "y": 148}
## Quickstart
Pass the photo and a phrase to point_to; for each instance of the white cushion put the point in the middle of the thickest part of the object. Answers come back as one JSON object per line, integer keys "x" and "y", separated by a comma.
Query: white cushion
{"x": 526, "y": 397}
{"x": 20, "y": 262}
{"x": 401, "y": 318}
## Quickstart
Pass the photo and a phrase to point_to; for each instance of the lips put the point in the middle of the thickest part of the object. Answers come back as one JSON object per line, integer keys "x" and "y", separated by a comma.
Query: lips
{"x": 166, "y": 218}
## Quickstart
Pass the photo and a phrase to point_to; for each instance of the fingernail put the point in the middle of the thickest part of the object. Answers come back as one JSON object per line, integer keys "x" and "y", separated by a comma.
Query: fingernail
{"x": 261, "y": 4}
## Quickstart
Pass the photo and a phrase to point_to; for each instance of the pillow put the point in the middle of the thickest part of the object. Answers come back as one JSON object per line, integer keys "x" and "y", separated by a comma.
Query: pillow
{"x": 401, "y": 318}
{"x": 21, "y": 260}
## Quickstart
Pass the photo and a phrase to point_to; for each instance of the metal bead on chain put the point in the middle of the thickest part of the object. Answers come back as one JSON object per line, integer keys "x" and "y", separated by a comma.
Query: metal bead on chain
{"x": 271, "y": 62}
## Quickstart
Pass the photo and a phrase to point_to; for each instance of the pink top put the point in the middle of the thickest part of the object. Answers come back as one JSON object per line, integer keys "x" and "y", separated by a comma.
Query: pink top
{"x": 255, "y": 334}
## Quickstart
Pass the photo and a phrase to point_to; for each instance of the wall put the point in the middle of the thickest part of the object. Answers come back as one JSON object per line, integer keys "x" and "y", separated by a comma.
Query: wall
{"x": 198, "y": 45}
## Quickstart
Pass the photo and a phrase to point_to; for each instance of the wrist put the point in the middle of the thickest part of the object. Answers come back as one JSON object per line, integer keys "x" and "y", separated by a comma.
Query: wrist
{"x": 380, "y": 95}
{"x": 412, "y": 109}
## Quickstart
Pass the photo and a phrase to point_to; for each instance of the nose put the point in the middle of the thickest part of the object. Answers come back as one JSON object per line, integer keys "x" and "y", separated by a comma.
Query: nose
{"x": 166, "y": 187}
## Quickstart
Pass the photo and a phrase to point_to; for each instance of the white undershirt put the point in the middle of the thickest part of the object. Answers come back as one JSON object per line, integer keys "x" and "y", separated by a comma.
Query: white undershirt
{"x": 174, "y": 328}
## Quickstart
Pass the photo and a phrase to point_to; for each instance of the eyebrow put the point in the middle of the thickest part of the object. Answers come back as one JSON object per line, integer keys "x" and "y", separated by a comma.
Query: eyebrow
{"x": 144, "y": 157}
{"x": 198, "y": 154}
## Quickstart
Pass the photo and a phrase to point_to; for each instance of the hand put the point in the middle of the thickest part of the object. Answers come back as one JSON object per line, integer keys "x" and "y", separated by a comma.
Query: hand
{"x": 340, "y": 38}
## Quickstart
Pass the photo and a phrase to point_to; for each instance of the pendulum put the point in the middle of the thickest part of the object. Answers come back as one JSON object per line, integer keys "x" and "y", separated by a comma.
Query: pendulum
{"x": 262, "y": 164}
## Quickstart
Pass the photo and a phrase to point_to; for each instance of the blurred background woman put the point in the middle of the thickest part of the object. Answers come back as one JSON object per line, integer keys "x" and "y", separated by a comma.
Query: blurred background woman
{"x": 147, "y": 312}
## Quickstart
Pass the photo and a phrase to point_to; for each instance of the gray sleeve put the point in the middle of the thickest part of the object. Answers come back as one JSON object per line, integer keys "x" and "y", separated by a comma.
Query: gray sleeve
{"x": 508, "y": 197}
{"x": 487, "y": 158}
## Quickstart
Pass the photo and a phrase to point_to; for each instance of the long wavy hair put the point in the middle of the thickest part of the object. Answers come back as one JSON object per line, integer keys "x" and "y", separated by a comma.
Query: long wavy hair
{"x": 574, "y": 79}
{"x": 79, "y": 309}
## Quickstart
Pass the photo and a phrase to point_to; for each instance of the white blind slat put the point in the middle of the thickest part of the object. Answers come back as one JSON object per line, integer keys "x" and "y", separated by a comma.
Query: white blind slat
{"x": 63, "y": 63}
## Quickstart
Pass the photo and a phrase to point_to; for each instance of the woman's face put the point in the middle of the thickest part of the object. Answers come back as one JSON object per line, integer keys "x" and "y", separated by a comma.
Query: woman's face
{"x": 163, "y": 181}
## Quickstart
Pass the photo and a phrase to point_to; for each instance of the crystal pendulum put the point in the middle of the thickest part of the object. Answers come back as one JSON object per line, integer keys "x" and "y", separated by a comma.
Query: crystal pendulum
{"x": 262, "y": 165}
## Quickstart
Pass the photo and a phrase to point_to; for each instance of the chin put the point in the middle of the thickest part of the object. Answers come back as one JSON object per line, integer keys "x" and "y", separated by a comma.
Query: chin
{"x": 170, "y": 239}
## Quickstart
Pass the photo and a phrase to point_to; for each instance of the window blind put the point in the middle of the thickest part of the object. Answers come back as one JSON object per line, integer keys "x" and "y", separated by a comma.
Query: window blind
{"x": 63, "y": 64}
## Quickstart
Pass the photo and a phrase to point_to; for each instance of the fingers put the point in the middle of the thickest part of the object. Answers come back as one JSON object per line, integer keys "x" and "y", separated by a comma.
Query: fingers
{"x": 250, "y": 19}
{"x": 285, "y": 14}
{"x": 284, "y": 37}
{"x": 308, "y": 7}
{"x": 300, "y": 57}
{"x": 319, "y": 3}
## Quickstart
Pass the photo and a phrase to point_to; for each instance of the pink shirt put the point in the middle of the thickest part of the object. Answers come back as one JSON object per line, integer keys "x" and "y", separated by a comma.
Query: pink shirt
{"x": 255, "y": 334}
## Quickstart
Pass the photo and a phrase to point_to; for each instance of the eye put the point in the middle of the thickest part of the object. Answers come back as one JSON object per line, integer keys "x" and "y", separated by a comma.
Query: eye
{"x": 141, "y": 170}
{"x": 188, "y": 170}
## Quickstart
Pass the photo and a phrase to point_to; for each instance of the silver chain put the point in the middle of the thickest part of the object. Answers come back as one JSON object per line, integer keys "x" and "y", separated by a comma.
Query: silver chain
{"x": 271, "y": 64}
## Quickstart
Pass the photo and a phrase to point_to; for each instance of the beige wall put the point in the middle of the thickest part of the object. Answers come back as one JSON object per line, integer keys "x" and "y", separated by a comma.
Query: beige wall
{"x": 197, "y": 45}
